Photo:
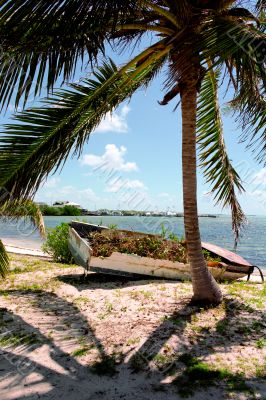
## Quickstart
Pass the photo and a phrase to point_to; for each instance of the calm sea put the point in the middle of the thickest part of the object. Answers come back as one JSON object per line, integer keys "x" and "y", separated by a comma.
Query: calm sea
{"x": 252, "y": 245}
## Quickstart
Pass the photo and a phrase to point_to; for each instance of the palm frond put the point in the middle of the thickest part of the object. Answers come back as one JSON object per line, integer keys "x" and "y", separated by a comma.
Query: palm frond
{"x": 182, "y": 9}
{"x": 241, "y": 13}
{"x": 4, "y": 260}
{"x": 260, "y": 5}
{"x": 27, "y": 209}
{"x": 241, "y": 48}
{"x": 43, "y": 41}
{"x": 41, "y": 139}
{"x": 218, "y": 170}
{"x": 222, "y": 4}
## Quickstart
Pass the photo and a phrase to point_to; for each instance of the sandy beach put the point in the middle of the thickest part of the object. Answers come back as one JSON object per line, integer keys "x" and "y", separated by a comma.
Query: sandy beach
{"x": 114, "y": 338}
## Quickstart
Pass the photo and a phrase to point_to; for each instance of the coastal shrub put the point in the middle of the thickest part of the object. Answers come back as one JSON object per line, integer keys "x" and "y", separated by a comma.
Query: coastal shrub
{"x": 56, "y": 244}
{"x": 67, "y": 210}
{"x": 71, "y": 211}
{"x": 49, "y": 210}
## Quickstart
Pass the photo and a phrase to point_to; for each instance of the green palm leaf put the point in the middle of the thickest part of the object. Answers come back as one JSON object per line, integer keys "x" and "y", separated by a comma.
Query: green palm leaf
{"x": 43, "y": 41}
{"x": 14, "y": 210}
{"x": 42, "y": 138}
{"x": 4, "y": 260}
{"x": 27, "y": 209}
{"x": 241, "y": 49}
{"x": 218, "y": 170}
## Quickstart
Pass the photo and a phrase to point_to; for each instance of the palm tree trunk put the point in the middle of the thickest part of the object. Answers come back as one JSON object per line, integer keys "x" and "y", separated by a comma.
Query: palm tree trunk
{"x": 205, "y": 287}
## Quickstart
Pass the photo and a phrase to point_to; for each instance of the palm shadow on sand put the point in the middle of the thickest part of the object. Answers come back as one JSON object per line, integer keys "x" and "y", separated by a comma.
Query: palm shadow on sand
{"x": 64, "y": 377}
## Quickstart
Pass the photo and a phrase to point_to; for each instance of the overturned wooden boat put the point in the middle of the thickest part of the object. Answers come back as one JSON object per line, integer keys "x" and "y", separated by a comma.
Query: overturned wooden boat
{"x": 231, "y": 267}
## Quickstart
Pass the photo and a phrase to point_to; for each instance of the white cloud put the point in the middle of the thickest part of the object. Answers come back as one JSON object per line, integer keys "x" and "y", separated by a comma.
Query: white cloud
{"x": 51, "y": 183}
{"x": 112, "y": 159}
{"x": 259, "y": 178}
{"x": 117, "y": 185}
{"x": 87, "y": 194}
{"x": 114, "y": 122}
{"x": 257, "y": 194}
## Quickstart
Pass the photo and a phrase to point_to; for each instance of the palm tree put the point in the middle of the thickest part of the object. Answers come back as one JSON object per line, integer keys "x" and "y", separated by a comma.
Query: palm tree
{"x": 14, "y": 210}
{"x": 195, "y": 43}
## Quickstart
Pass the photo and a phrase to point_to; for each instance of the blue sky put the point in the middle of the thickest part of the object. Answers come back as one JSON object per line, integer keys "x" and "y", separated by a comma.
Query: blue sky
{"x": 133, "y": 161}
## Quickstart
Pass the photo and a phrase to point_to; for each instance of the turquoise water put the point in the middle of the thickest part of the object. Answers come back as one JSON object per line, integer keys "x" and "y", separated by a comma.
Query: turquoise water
{"x": 252, "y": 245}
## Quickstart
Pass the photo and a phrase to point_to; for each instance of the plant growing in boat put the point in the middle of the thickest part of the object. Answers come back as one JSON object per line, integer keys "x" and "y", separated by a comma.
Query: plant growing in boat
{"x": 104, "y": 244}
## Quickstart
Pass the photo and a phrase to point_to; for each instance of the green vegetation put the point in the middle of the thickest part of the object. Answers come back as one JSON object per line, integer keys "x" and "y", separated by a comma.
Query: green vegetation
{"x": 82, "y": 351}
{"x": 14, "y": 210}
{"x": 17, "y": 339}
{"x": 107, "y": 366}
{"x": 56, "y": 244}
{"x": 261, "y": 371}
{"x": 60, "y": 211}
{"x": 202, "y": 375}
{"x": 261, "y": 343}
{"x": 106, "y": 242}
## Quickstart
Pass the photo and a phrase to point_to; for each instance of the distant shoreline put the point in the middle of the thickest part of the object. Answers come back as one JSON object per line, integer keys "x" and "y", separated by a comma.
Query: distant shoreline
{"x": 140, "y": 215}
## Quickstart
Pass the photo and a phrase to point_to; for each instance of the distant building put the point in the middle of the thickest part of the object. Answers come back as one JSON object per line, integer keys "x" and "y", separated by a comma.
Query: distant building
{"x": 61, "y": 204}
{"x": 170, "y": 214}
{"x": 116, "y": 212}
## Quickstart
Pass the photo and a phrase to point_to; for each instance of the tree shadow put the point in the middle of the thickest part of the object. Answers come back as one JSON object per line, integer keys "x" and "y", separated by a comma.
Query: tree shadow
{"x": 142, "y": 372}
{"x": 185, "y": 362}
{"x": 106, "y": 281}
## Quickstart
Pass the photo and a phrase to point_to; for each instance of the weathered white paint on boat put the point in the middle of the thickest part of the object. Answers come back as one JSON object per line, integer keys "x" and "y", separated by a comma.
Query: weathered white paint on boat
{"x": 80, "y": 248}
{"x": 133, "y": 265}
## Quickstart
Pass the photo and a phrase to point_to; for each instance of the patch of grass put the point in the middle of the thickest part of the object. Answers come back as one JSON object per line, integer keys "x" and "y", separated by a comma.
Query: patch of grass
{"x": 108, "y": 310}
{"x": 260, "y": 343}
{"x": 138, "y": 362}
{"x": 132, "y": 341}
{"x": 109, "y": 307}
{"x": 175, "y": 320}
{"x": 222, "y": 327}
{"x": 18, "y": 270}
{"x": 81, "y": 351}
{"x": 4, "y": 293}
{"x": 261, "y": 371}
{"x": 203, "y": 376}
{"x": 30, "y": 287}
{"x": 243, "y": 330}
{"x": 81, "y": 300}
{"x": 140, "y": 294}
{"x": 102, "y": 315}
{"x": 237, "y": 288}
{"x": 163, "y": 361}
{"x": 16, "y": 339}
{"x": 118, "y": 293}
{"x": 257, "y": 326}
{"x": 67, "y": 337}
{"x": 107, "y": 366}
{"x": 254, "y": 301}
{"x": 198, "y": 329}
{"x": 146, "y": 294}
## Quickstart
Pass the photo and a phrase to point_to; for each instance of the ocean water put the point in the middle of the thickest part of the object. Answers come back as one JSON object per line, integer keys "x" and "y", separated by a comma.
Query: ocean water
{"x": 252, "y": 245}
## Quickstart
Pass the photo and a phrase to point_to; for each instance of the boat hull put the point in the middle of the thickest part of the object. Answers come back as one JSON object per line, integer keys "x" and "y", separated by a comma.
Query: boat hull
{"x": 135, "y": 266}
